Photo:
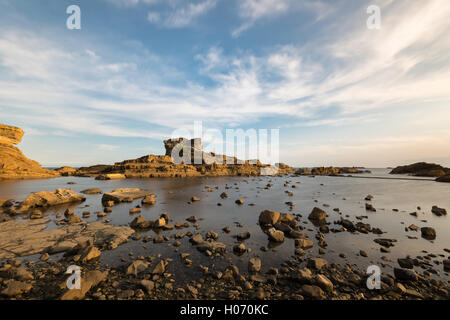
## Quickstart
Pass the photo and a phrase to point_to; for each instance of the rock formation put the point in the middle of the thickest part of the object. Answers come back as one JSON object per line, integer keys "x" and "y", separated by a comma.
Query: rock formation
{"x": 422, "y": 169}
{"x": 13, "y": 164}
{"x": 329, "y": 171}
{"x": 190, "y": 161}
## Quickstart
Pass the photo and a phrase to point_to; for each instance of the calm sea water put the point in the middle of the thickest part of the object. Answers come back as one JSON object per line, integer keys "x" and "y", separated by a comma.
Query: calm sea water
{"x": 345, "y": 193}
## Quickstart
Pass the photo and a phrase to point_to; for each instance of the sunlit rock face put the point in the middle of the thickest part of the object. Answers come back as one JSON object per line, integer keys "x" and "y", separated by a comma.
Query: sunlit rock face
{"x": 13, "y": 164}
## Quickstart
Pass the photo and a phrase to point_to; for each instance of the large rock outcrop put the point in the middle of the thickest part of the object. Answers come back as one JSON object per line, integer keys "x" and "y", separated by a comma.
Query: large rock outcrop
{"x": 24, "y": 238}
{"x": 330, "y": 171}
{"x": 190, "y": 161}
{"x": 422, "y": 169}
{"x": 13, "y": 164}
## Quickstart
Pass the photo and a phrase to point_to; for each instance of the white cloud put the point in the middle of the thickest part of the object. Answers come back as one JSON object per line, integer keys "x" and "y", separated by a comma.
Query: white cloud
{"x": 253, "y": 10}
{"x": 153, "y": 17}
{"x": 352, "y": 76}
{"x": 180, "y": 15}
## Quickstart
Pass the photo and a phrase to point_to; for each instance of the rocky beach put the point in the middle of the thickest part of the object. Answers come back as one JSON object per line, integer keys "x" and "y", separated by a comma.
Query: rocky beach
{"x": 150, "y": 228}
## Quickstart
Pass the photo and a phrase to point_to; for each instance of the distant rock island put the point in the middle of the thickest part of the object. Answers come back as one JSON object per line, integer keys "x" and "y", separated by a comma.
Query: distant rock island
{"x": 423, "y": 169}
{"x": 163, "y": 166}
{"x": 13, "y": 164}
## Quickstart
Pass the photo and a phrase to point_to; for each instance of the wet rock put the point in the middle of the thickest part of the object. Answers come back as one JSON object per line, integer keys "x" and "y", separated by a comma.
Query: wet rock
{"x": 193, "y": 199}
{"x": 239, "y": 248}
{"x": 224, "y": 195}
{"x": 439, "y": 211}
{"x": 192, "y": 219}
{"x": 47, "y": 198}
{"x": 363, "y": 253}
{"x": 387, "y": 243}
{"x": 317, "y": 215}
{"x": 368, "y": 198}
{"x": 405, "y": 275}
{"x": 141, "y": 223}
{"x": 89, "y": 254}
{"x": 369, "y": 207}
{"x": 254, "y": 265}
{"x": 149, "y": 200}
{"x": 159, "y": 223}
{"x": 406, "y": 263}
{"x": 317, "y": 263}
{"x": 268, "y": 217}
{"x": 160, "y": 267}
{"x": 137, "y": 267}
{"x": 313, "y": 292}
{"x": 428, "y": 233}
{"x": 243, "y": 236}
{"x": 123, "y": 195}
{"x": 227, "y": 229}
{"x": 22, "y": 238}
{"x": 214, "y": 247}
{"x": 304, "y": 244}
{"x": 135, "y": 210}
{"x": 212, "y": 235}
{"x": 92, "y": 191}
{"x": 239, "y": 201}
{"x": 197, "y": 239}
{"x": 324, "y": 283}
{"x": 275, "y": 235}
{"x": 36, "y": 214}
{"x": 147, "y": 285}
{"x": 90, "y": 280}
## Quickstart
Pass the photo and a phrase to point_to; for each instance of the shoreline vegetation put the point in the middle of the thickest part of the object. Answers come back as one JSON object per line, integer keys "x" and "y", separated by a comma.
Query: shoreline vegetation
{"x": 147, "y": 277}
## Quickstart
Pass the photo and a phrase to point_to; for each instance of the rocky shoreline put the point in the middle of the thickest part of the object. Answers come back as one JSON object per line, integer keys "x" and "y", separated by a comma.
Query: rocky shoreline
{"x": 303, "y": 276}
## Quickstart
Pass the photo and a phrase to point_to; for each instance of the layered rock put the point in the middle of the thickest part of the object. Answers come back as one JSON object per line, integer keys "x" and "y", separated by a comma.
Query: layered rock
{"x": 24, "y": 238}
{"x": 329, "y": 171}
{"x": 190, "y": 161}
{"x": 422, "y": 169}
{"x": 13, "y": 164}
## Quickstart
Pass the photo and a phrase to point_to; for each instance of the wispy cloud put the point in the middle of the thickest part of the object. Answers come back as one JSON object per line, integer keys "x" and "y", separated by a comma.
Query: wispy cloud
{"x": 180, "y": 15}
{"x": 252, "y": 11}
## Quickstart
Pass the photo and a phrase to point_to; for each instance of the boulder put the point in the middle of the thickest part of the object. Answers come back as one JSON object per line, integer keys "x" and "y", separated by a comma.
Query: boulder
{"x": 137, "y": 267}
{"x": 254, "y": 265}
{"x": 149, "y": 199}
{"x": 439, "y": 211}
{"x": 90, "y": 280}
{"x": 141, "y": 223}
{"x": 317, "y": 214}
{"x": 428, "y": 233}
{"x": 268, "y": 217}
{"x": 405, "y": 275}
{"x": 317, "y": 263}
{"x": 48, "y": 198}
{"x": 275, "y": 235}
{"x": 124, "y": 195}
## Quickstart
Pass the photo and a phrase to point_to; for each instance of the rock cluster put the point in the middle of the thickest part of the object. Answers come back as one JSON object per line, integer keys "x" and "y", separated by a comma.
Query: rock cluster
{"x": 191, "y": 161}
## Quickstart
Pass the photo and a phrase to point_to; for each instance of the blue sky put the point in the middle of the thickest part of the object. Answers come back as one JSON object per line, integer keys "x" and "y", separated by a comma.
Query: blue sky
{"x": 340, "y": 94}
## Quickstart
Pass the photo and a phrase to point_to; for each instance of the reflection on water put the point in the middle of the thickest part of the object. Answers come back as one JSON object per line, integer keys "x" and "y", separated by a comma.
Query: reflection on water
{"x": 347, "y": 194}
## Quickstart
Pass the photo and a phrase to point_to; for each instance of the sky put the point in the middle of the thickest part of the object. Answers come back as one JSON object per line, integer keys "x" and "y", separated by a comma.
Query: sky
{"x": 340, "y": 93}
